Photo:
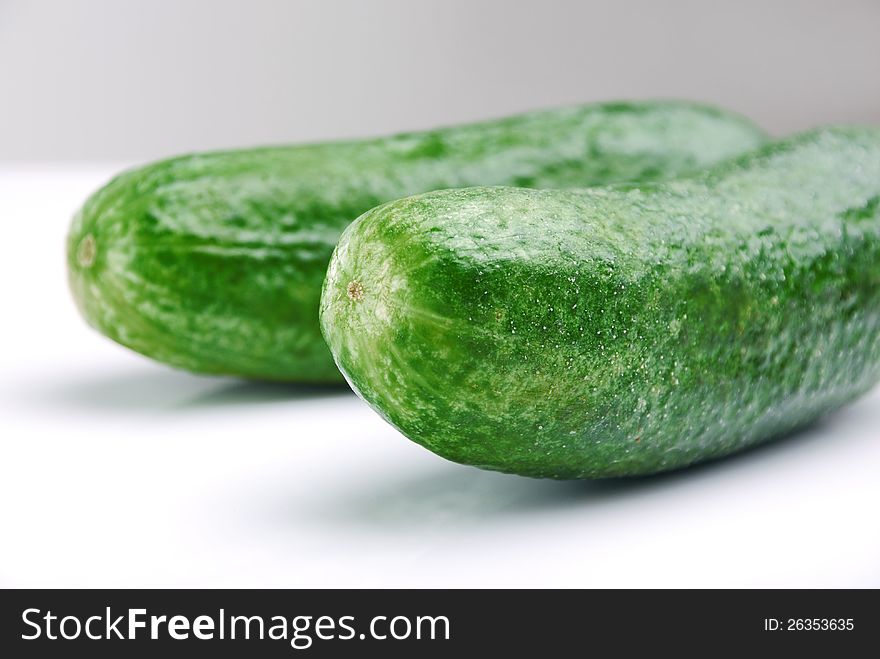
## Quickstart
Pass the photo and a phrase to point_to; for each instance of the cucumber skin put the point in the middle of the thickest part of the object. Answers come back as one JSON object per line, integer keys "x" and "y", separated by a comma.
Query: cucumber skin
{"x": 618, "y": 331}
{"x": 214, "y": 262}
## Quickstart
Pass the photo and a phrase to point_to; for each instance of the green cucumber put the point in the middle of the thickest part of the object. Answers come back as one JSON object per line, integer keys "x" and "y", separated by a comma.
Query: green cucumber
{"x": 622, "y": 330}
{"x": 214, "y": 262}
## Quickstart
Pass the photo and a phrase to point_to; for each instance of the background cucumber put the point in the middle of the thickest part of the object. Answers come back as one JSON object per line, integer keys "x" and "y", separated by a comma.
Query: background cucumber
{"x": 214, "y": 262}
{"x": 623, "y": 330}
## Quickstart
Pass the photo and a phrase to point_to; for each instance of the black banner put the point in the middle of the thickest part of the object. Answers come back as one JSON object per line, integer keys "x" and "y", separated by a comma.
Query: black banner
{"x": 288, "y": 623}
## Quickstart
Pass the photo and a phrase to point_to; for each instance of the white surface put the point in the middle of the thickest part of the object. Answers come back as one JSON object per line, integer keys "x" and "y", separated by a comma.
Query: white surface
{"x": 118, "y": 472}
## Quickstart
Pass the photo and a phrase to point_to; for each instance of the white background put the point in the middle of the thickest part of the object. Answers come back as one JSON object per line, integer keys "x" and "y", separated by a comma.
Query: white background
{"x": 140, "y": 79}
{"x": 115, "y": 471}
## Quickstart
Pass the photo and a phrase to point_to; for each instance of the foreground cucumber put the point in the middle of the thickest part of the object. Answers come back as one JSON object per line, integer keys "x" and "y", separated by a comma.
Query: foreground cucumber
{"x": 624, "y": 330}
{"x": 214, "y": 262}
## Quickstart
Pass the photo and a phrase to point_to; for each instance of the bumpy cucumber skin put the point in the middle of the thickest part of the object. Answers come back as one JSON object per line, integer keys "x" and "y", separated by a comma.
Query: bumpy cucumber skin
{"x": 624, "y": 330}
{"x": 214, "y": 262}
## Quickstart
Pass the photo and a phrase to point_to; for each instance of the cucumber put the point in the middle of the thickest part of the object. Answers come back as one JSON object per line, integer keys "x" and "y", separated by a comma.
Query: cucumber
{"x": 214, "y": 262}
{"x": 622, "y": 330}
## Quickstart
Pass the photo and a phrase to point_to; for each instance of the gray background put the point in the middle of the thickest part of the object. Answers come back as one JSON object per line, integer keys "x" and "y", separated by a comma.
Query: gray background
{"x": 127, "y": 80}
